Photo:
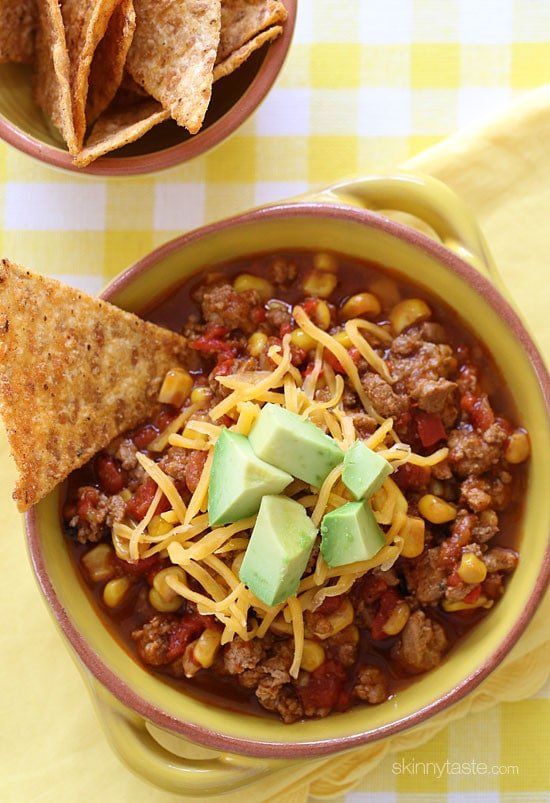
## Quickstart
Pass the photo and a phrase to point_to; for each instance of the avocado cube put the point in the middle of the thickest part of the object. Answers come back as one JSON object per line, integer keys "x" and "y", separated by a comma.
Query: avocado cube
{"x": 364, "y": 471}
{"x": 350, "y": 534}
{"x": 278, "y": 550}
{"x": 299, "y": 447}
{"x": 239, "y": 480}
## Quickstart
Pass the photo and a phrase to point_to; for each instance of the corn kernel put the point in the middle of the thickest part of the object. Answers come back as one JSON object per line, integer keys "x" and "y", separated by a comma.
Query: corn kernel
{"x": 247, "y": 281}
{"x": 407, "y": 312}
{"x": 162, "y": 588}
{"x": 320, "y": 283}
{"x": 162, "y": 605}
{"x": 461, "y": 605}
{"x": 201, "y": 395}
{"x": 361, "y": 304}
{"x": 206, "y": 647}
{"x": 158, "y": 526}
{"x": 518, "y": 448}
{"x": 435, "y": 509}
{"x": 125, "y": 495}
{"x": 176, "y": 387}
{"x": 397, "y": 619}
{"x": 302, "y": 341}
{"x": 344, "y": 339}
{"x": 472, "y": 570}
{"x": 322, "y": 316}
{"x": 385, "y": 289}
{"x": 98, "y": 562}
{"x": 115, "y": 591}
{"x": 313, "y": 656}
{"x": 257, "y": 343}
{"x": 413, "y": 537}
{"x": 324, "y": 261}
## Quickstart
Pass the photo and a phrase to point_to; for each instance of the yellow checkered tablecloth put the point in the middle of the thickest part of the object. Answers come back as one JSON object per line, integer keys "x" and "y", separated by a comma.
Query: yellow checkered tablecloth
{"x": 368, "y": 84}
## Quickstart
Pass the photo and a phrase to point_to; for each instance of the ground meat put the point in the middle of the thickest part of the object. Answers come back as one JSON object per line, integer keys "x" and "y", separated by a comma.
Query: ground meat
{"x": 486, "y": 526}
{"x": 425, "y": 577}
{"x": 500, "y": 559}
{"x": 242, "y": 655}
{"x": 384, "y": 400}
{"x": 364, "y": 424}
{"x": 442, "y": 471}
{"x": 371, "y": 685}
{"x": 153, "y": 640}
{"x": 174, "y": 462}
{"x": 343, "y": 646}
{"x": 437, "y": 396}
{"x": 278, "y": 315}
{"x": 421, "y": 645}
{"x": 124, "y": 450}
{"x": 222, "y": 306}
{"x": 476, "y": 493}
{"x": 474, "y": 453}
{"x": 283, "y": 272}
{"x": 94, "y": 513}
{"x": 274, "y": 691}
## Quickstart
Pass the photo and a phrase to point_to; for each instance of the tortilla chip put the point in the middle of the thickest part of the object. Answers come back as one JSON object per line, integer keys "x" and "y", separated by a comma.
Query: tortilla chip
{"x": 117, "y": 128}
{"x": 238, "y": 57}
{"x": 17, "y": 28}
{"x": 244, "y": 19}
{"x": 110, "y": 57}
{"x": 85, "y": 23}
{"x": 51, "y": 80}
{"x": 173, "y": 54}
{"x": 75, "y": 372}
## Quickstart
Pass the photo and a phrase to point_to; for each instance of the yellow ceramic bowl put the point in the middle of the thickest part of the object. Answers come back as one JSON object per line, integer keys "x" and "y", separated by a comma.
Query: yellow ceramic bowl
{"x": 161, "y": 732}
{"x": 234, "y": 99}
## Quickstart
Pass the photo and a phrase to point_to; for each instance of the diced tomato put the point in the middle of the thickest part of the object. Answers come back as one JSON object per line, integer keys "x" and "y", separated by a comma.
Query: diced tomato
{"x": 285, "y": 329}
{"x": 227, "y": 421}
{"x": 430, "y": 428}
{"x": 330, "y": 605}
{"x": 257, "y": 315}
{"x": 112, "y": 477}
{"x": 324, "y": 685}
{"x": 454, "y": 579}
{"x": 344, "y": 701}
{"x": 224, "y": 367}
{"x": 193, "y": 469}
{"x": 89, "y": 499}
{"x": 412, "y": 478}
{"x": 309, "y": 368}
{"x": 188, "y": 628}
{"x": 335, "y": 363}
{"x": 141, "y": 567}
{"x": 138, "y": 505}
{"x": 473, "y": 596}
{"x": 309, "y": 306}
{"x": 164, "y": 418}
{"x": 145, "y": 435}
{"x": 479, "y": 410}
{"x": 371, "y": 587}
{"x": 212, "y": 330}
{"x": 388, "y": 601}
{"x": 213, "y": 345}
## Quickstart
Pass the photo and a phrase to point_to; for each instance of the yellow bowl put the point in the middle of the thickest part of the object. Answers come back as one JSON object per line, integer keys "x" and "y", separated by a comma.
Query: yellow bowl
{"x": 185, "y": 745}
{"x": 234, "y": 99}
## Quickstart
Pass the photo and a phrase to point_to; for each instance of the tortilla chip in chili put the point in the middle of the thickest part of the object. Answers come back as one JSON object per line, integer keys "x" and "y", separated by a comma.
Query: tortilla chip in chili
{"x": 75, "y": 372}
{"x": 173, "y": 53}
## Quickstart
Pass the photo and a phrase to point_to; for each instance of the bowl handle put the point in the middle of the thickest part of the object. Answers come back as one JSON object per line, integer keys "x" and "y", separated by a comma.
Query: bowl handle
{"x": 425, "y": 198}
{"x": 168, "y": 760}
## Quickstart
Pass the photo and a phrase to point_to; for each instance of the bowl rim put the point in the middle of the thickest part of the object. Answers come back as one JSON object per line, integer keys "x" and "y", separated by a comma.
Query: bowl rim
{"x": 215, "y": 739}
{"x": 221, "y": 129}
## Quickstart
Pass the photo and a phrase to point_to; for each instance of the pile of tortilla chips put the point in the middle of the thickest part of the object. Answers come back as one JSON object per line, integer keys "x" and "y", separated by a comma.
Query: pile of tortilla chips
{"x": 107, "y": 71}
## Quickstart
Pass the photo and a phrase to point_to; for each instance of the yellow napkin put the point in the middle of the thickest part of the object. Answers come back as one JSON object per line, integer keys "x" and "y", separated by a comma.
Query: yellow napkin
{"x": 48, "y": 727}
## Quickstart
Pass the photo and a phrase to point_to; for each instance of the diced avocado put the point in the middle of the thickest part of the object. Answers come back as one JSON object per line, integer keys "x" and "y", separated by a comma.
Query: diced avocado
{"x": 287, "y": 441}
{"x": 364, "y": 471}
{"x": 239, "y": 480}
{"x": 349, "y": 534}
{"x": 278, "y": 550}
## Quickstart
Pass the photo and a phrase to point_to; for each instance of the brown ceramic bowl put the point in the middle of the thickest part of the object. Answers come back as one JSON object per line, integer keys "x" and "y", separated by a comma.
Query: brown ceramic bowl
{"x": 185, "y": 744}
{"x": 234, "y": 99}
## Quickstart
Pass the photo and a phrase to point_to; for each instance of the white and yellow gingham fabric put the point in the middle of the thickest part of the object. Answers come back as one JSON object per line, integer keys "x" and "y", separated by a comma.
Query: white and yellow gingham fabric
{"x": 367, "y": 85}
